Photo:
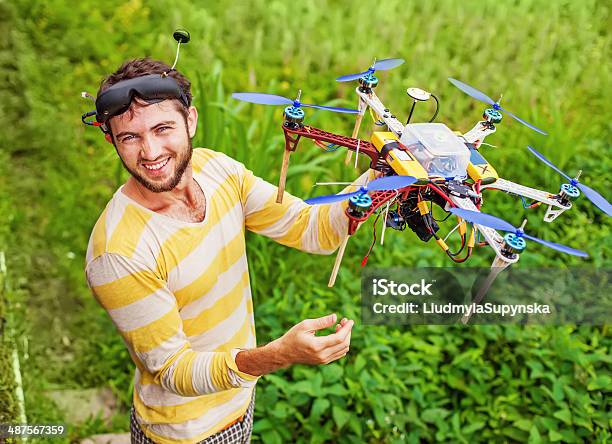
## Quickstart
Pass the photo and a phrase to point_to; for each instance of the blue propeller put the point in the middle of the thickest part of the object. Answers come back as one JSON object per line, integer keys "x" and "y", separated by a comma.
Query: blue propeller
{"x": 496, "y": 223}
{"x": 381, "y": 65}
{"x": 598, "y": 200}
{"x": 272, "y": 99}
{"x": 381, "y": 184}
{"x": 479, "y": 95}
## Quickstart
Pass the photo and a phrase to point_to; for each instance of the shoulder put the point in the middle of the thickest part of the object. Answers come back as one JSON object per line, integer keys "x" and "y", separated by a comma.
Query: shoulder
{"x": 121, "y": 227}
{"x": 205, "y": 160}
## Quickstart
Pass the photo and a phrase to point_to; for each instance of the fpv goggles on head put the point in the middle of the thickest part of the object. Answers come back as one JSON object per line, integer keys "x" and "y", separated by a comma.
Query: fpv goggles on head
{"x": 151, "y": 88}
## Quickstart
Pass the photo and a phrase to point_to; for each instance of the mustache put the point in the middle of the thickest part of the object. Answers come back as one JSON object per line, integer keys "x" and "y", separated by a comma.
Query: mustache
{"x": 163, "y": 156}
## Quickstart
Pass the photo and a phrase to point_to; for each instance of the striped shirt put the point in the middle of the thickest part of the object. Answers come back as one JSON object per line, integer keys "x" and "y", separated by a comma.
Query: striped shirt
{"x": 179, "y": 292}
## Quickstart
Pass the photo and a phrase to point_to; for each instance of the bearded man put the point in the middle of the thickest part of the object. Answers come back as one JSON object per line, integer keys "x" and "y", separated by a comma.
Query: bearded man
{"x": 167, "y": 261}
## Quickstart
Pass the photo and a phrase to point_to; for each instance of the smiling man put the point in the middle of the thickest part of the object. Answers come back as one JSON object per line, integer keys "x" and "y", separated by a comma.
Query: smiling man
{"x": 167, "y": 261}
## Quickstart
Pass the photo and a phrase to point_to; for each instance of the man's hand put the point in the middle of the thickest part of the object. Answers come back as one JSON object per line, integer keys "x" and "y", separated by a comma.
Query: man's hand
{"x": 299, "y": 345}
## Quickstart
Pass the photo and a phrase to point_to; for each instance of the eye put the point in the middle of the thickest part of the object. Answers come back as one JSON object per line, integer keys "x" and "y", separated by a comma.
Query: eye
{"x": 127, "y": 138}
{"x": 163, "y": 128}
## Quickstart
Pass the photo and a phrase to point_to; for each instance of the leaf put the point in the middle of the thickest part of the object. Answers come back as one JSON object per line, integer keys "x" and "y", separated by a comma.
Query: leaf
{"x": 549, "y": 423}
{"x": 360, "y": 363}
{"x": 332, "y": 373}
{"x": 553, "y": 435}
{"x": 523, "y": 424}
{"x": 564, "y": 415}
{"x": 304, "y": 387}
{"x": 431, "y": 415}
{"x": 471, "y": 428}
{"x": 340, "y": 416}
{"x": 271, "y": 437}
{"x": 335, "y": 389}
{"x": 319, "y": 406}
{"x": 557, "y": 392}
{"x": 262, "y": 425}
{"x": 355, "y": 425}
{"x": 281, "y": 410}
{"x": 379, "y": 415}
{"x": 515, "y": 434}
{"x": 534, "y": 435}
{"x": 601, "y": 382}
{"x": 583, "y": 422}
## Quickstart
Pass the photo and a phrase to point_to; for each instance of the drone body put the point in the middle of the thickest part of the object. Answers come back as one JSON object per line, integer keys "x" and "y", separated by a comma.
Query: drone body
{"x": 432, "y": 165}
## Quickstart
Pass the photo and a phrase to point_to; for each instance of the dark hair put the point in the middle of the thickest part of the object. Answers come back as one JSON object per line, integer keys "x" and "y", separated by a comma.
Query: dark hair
{"x": 142, "y": 67}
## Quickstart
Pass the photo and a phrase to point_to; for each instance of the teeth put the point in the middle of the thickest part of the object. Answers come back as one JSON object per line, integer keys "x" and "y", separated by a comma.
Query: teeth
{"x": 156, "y": 166}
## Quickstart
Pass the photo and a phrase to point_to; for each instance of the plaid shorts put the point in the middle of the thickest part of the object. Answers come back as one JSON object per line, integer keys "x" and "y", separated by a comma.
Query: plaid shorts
{"x": 237, "y": 433}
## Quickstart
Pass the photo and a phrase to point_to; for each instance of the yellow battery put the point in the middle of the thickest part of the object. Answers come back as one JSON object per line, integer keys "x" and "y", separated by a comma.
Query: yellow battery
{"x": 402, "y": 162}
{"x": 423, "y": 208}
{"x": 479, "y": 169}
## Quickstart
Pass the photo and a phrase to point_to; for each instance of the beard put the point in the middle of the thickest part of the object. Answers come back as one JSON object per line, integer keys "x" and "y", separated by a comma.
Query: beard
{"x": 181, "y": 161}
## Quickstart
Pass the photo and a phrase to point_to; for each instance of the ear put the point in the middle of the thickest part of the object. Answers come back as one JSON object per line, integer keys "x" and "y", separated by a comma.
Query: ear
{"x": 192, "y": 121}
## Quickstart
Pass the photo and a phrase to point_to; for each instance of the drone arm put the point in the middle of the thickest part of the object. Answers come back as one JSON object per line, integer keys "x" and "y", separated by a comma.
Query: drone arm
{"x": 555, "y": 208}
{"x": 372, "y": 100}
{"x": 492, "y": 237}
{"x": 521, "y": 190}
{"x": 283, "y": 177}
{"x": 292, "y": 136}
{"x": 477, "y": 134}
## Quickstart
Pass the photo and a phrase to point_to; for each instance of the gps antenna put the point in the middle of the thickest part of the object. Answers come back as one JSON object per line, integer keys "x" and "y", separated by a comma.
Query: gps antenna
{"x": 181, "y": 36}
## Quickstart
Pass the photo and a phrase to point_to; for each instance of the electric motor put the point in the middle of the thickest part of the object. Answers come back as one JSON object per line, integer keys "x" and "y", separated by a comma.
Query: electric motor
{"x": 359, "y": 205}
{"x": 492, "y": 115}
{"x": 293, "y": 116}
{"x": 567, "y": 194}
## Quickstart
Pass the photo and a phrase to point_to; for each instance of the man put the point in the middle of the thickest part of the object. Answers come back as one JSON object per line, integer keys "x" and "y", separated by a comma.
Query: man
{"x": 167, "y": 261}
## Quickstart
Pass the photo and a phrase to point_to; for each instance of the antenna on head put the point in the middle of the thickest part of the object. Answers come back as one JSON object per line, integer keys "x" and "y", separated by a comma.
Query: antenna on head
{"x": 86, "y": 95}
{"x": 181, "y": 36}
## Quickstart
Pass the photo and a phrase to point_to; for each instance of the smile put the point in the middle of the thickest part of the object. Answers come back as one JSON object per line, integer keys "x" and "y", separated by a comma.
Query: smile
{"x": 156, "y": 166}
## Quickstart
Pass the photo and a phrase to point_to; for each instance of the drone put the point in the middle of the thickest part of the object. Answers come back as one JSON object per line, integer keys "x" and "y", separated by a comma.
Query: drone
{"x": 426, "y": 164}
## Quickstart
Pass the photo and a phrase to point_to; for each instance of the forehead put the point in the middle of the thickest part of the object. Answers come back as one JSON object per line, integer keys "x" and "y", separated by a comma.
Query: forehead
{"x": 142, "y": 115}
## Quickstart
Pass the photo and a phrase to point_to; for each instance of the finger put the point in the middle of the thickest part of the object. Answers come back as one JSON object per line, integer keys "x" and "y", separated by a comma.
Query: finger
{"x": 336, "y": 338}
{"x": 337, "y": 348}
{"x": 319, "y": 323}
{"x": 337, "y": 356}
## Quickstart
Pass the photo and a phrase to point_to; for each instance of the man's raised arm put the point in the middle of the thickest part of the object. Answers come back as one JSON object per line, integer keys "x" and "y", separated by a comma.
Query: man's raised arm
{"x": 316, "y": 229}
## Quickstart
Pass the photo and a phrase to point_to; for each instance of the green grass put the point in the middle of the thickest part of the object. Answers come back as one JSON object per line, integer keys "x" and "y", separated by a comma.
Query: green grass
{"x": 549, "y": 59}
{"x": 8, "y": 400}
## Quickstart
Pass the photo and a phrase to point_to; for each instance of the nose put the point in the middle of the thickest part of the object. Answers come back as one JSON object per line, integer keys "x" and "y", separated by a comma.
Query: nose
{"x": 151, "y": 148}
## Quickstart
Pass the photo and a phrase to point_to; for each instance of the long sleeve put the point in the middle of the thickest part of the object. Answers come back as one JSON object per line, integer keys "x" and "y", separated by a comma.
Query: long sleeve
{"x": 314, "y": 229}
{"x": 146, "y": 315}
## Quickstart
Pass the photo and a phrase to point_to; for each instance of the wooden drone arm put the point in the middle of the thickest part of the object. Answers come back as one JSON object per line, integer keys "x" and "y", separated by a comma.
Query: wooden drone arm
{"x": 292, "y": 137}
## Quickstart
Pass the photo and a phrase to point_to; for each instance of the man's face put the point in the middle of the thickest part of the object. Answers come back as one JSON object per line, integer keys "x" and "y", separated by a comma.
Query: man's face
{"x": 154, "y": 143}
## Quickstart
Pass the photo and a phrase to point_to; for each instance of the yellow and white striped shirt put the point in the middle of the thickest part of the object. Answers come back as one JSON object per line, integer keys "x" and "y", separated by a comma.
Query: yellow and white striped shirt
{"x": 180, "y": 297}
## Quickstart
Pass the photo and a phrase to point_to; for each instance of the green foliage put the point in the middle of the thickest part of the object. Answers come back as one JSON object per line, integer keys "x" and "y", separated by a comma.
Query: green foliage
{"x": 551, "y": 61}
{"x": 8, "y": 403}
